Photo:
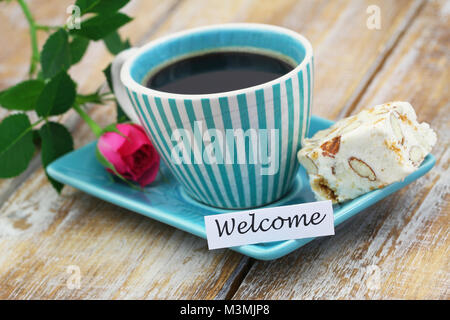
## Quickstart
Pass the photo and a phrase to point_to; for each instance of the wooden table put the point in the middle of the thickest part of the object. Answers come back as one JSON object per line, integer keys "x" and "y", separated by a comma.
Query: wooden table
{"x": 403, "y": 241}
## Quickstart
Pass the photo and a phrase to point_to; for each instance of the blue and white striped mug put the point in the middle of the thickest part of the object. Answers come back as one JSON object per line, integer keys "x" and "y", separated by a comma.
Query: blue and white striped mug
{"x": 200, "y": 123}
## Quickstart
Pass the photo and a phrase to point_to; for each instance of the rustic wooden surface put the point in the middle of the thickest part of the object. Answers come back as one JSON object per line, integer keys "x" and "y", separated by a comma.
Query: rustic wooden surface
{"x": 403, "y": 239}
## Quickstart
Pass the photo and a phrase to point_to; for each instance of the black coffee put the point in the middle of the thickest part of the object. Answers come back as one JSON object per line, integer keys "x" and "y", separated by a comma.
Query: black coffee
{"x": 218, "y": 72}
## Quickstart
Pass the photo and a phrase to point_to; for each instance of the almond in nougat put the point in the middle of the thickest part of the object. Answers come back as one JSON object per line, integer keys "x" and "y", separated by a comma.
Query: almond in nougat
{"x": 370, "y": 150}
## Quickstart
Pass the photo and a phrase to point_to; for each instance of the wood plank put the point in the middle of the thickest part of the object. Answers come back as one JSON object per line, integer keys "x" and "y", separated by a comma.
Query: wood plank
{"x": 120, "y": 254}
{"x": 333, "y": 27}
{"x": 15, "y": 57}
{"x": 156, "y": 261}
{"x": 406, "y": 235}
{"x": 14, "y": 60}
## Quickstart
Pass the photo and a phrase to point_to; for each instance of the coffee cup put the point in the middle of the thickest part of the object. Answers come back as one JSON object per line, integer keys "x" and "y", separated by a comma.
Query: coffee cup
{"x": 234, "y": 149}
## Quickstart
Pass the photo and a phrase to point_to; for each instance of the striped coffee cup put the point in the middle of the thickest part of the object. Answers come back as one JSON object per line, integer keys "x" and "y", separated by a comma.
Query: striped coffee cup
{"x": 233, "y": 149}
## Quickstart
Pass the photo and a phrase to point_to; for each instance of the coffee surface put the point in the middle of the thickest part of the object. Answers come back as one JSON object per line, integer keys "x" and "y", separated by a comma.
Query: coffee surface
{"x": 217, "y": 72}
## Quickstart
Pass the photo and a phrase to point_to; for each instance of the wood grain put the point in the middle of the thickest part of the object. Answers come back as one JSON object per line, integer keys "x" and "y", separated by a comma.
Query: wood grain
{"x": 42, "y": 234}
{"x": 14, "y": 59}
{"x": 15, "y": 56}
{"x": 335, "y": 28}
{"x": 120, "y": 254}
{"x": 406, "y": 236}
{"x": 123, "y": 255}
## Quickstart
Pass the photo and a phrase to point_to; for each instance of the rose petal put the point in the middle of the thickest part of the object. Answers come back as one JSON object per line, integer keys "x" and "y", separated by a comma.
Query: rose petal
{"x": 113, "y": 140}
{"x": 136, "y": 138}
{"x": 150, "y": 175}
{"x": 109, "y": 152}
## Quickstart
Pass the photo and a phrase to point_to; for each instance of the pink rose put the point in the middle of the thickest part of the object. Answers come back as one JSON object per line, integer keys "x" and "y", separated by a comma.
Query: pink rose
{"x": 132, "y": 154}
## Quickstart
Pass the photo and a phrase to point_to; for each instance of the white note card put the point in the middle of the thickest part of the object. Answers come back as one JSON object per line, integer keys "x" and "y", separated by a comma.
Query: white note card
{"x": 306, "y": 220}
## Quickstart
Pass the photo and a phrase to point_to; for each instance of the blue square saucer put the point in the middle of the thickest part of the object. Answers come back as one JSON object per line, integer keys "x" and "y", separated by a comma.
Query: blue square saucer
{"x": 165, "y": 200}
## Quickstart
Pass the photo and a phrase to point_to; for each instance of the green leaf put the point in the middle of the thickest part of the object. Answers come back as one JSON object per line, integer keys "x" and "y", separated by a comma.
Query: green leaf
{"x": 36, "y": 138}
{"x": 107, "y": 73}
{"x": 16, "y": 145}
{"x": 78, "y": 47}
{"x": 114, "y": 43}
{"x": 86, "y": 5}
{"x": 22, "y": 96}
{"x": 55, "y": 54}
{"x": 121, "y": 116}
{"x": 101, "y": 25}
{"x": 100, "y": 6}
{"x": 56, "y": 141}
{"x": 57, "y": 97}
{"x": 40, "y": 75}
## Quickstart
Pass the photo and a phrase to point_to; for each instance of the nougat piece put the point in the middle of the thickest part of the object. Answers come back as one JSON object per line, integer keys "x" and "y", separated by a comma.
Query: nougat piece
{"x": 367, "y": 151}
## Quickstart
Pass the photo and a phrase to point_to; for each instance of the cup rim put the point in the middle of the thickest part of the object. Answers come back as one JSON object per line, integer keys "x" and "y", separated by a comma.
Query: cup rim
{"x": 127, "y": 79}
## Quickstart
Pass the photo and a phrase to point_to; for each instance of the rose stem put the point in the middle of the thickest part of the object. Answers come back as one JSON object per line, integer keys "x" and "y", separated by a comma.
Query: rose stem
{"x": 34, "y": 45}
{"x": 91, "y": 123}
